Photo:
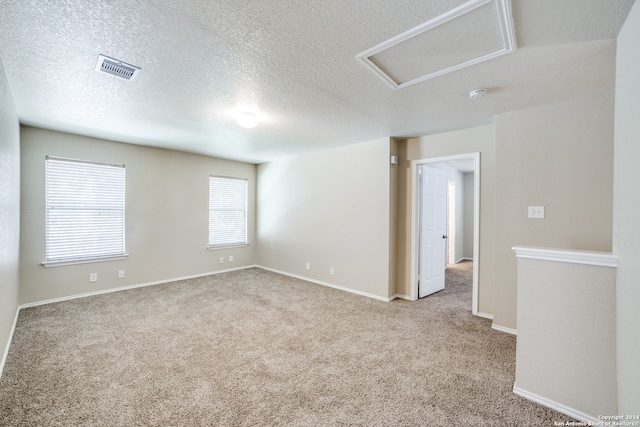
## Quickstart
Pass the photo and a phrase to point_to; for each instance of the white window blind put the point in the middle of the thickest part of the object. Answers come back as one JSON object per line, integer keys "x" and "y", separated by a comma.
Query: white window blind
{"x": 227, "y": 211}
{"x": 85, "y": 211}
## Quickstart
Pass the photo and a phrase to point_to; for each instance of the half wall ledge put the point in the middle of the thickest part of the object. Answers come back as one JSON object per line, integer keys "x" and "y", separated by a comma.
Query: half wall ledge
{"x": 566, "y": 317}
{"x": 604, "y": 259}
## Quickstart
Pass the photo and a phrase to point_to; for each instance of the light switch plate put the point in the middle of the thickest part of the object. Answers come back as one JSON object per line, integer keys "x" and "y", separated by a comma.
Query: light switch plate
{"x": 536, "y": 212}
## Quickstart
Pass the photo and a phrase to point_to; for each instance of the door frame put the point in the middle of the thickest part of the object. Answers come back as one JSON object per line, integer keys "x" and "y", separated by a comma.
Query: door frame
{"x": 415, "y": 206}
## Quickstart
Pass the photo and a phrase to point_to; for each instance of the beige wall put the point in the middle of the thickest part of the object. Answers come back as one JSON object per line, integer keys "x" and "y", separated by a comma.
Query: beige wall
{"x": 477, "y": 139}
{"x": 393, "y": 219}
{"x": 559, "y": 156}
{"x": 166, "y": 216}
{"x": 626, "y": 226}
{"x": 9, "y": 212}
{"x": 331, "y": 209}
{"x": 566, "y": 335}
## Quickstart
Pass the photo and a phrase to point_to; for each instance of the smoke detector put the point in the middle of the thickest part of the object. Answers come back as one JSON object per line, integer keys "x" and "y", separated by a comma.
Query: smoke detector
{"x": 116, "y": 68}
{"x": 477, "y": 93}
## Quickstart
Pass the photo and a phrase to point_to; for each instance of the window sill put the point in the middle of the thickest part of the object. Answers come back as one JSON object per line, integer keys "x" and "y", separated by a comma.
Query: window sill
{"x": 83, "y": 261}
{"x": 215, "y": 248}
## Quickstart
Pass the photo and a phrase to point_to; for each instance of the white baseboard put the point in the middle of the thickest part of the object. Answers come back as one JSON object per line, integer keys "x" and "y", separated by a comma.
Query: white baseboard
{"x": 401, "y": 296}
{"x": 330, "y": 285}
{"x": 124, "y": 288}
{"x": 8, "y": 344}
{"x": 485, "y": 315}
{"x": 463, "y": 259}
{"x": 504, "y": 329}
{"x": 557, "y": 407}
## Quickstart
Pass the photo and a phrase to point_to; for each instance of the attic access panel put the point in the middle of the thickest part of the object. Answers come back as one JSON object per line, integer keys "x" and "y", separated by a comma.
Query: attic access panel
{"x": 474, "y": 32}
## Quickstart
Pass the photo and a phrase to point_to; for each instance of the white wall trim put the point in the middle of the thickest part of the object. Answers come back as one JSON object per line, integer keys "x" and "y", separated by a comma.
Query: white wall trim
{"x": 331, "y": 285}
{"x": 604, "y": 259}
{"x": 504, "y": 329}
{"x": 8, "y": 344}
{"x": 401, "y": 296}
{"x": 557, "y": 406}
{"x": 484, "y": 315}
{"x": 124, "y": 288}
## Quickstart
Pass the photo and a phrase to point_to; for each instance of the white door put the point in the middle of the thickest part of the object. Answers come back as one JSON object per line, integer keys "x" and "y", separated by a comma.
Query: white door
{"x": 433, "y": 226}
{"x": 451, "y": 222}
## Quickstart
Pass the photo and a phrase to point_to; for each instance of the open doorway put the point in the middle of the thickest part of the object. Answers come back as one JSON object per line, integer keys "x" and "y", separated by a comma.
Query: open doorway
{"x": 467, "y": 165}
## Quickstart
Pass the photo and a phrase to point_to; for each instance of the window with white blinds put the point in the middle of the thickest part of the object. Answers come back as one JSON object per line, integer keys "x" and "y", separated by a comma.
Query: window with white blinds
{"x": 227, "y": 211}
{"x": 85, "y": 211}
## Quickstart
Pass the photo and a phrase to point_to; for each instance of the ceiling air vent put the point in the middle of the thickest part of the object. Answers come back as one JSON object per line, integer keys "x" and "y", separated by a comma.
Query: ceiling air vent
{"x": 116, "y": 68}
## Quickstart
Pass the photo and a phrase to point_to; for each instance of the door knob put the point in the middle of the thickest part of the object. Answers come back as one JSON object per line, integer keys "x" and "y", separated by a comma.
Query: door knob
{"x": 444, "y": 236}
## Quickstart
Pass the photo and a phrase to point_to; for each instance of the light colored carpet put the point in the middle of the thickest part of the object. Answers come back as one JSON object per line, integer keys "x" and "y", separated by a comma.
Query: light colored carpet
{"x": 254, "y": 348}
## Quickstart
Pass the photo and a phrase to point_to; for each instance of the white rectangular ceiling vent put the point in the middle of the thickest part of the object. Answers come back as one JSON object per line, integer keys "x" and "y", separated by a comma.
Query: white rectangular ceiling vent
{"x": 474, "y": 32}
{"x": 116, "y": 68}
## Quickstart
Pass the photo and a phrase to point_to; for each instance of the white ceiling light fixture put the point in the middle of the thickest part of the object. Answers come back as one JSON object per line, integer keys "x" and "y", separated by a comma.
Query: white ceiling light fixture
{"x": 477, "y": 31}
{"x": 247, "y": 119}
{"x": 477, "y": 93}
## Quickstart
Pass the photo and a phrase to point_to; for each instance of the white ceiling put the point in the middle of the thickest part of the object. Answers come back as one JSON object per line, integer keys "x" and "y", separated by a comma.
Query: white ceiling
{"x": 292, "y": 61}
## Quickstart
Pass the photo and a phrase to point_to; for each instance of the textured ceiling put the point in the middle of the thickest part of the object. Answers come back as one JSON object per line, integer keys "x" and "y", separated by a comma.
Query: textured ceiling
{"x": 293, "y": 62}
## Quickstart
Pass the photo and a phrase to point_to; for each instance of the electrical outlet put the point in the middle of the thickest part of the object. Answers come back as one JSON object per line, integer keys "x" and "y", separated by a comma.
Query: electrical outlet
{"x": 120, "y": 274}
{"x": 333, "y": 271}
{"x": 93, "y": 277}
{"x": 230, "y": 258}
{"x": 221, "y": 260}
{"x": 536, "y": 212}
{"x": 308, "y": 266}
